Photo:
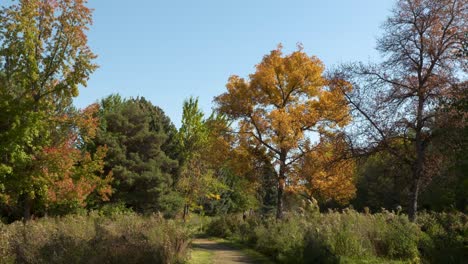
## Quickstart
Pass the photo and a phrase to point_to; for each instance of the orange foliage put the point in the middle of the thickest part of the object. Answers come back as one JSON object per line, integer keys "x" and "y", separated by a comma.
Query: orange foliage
{"x": 323, "y": 174}
{"x": 286, "y": 96}
{"x": 280, "y": 104}
{"x": 71, "y": 173}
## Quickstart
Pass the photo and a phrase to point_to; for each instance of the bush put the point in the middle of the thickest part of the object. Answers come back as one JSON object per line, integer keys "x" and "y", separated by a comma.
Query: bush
{"x": 351, "y": 234}
{"x": 352, "y": 237}
{"x": 225, "y": 226}
{"x": 317, "y": 250}
{"x": 111, "y": 209}
{"x": 123, "y": 238}
{"x": 326, "y": 238}
{"x": 445, "y": 237}
{"x": 282, "y": 240}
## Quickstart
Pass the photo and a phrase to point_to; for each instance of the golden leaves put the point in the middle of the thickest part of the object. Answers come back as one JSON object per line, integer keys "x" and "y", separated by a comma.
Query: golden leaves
{"x": 282, "y": 101}
{"x": 286, "y": 96}
{"x": 324, "y": 174}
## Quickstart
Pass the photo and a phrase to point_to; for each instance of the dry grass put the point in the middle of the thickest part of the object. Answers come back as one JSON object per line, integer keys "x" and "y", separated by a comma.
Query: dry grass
{"x": 123, "y": 238}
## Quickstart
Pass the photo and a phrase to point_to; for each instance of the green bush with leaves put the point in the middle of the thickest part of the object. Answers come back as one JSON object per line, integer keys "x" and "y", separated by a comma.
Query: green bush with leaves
{"x": 283, "y": 240}
{"x": 445, "y": 237}
{"x": 225, "y": 226}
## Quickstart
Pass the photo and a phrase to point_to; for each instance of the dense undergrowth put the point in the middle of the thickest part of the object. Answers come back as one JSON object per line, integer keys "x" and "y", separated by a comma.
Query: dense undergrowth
{"x": 305, "y": 237}
{"x": 119, "y": 238}
{"x": 351, "y": 237}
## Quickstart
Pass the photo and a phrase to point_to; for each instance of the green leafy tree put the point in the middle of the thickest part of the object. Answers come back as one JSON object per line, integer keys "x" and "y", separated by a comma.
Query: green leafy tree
{"x": 449, "y": 189}
{"x": 44, "y": 58}
{"x": 254, "y": 165}
{"x": 198, "y": 181}
{"x": 381, "y": 181}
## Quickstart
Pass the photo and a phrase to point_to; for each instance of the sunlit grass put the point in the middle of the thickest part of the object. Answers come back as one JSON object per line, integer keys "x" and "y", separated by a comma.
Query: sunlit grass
{"x": 201, "y": 256}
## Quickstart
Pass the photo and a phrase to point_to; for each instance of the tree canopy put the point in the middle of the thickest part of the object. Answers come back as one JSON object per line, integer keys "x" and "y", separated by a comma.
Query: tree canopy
{"x": 401, "y": 100}
{"x": 139, "y": 138}
{"x": 44, "y": 58}
{"x": 285, "y": 99}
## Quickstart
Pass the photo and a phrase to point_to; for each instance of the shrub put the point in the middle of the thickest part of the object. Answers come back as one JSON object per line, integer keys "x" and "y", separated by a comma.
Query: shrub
{"x": 110, "y": 209}
{"x": 326, "y": 238}
{"x": 224, "y": 226}
{"x": 317, "y": 250}
{"x": 120, "y": 238}
{"x": 445, "y": 237}
{"x": 401, "y": 238}
{"x": 351, "y": 234}
{"x": 281, "y": 240}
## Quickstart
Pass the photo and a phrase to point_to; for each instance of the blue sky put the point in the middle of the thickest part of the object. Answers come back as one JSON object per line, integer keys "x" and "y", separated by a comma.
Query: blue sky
{"x": 167, "y": 51}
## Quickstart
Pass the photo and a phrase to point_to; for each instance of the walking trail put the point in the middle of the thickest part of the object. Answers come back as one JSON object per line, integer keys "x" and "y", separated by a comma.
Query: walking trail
{"x": 209, "y": 251}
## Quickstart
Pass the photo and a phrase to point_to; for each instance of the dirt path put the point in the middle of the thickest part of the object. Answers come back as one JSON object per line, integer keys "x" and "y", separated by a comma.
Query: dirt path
{"x": 220, "y": 253}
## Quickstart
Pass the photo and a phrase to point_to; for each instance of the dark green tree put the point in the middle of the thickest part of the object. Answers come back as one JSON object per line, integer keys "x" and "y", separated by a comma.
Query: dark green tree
{"x": 381, "y": 182}
{"x": 140, "y": 139}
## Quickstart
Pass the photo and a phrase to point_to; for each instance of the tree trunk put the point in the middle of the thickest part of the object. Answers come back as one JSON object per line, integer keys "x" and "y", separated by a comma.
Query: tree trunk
{"x": 281, "y": 185}
{"x": 279, "y": 203}
{"x": 419, "y": 162}
{"x": 27, "y": 205}
{"x": 415, "y": 187}
{"x": 186, "y": 209}
{"x": 413, "y": 207}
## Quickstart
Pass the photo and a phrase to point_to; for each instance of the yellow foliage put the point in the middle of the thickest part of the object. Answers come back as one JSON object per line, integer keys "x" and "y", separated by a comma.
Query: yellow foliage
{"x": 286, "y": 96}
{"x": 277, "y": 107}
{"x": 324, "y": 174}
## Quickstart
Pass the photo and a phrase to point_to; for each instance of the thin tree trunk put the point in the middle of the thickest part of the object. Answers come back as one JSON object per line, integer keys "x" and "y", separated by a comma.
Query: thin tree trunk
{"x": 27, "y": 205}
{"x": 416, "y": 185}
{"x": 413, "y": 207}
{"x": 419, "y": 149}
{"x": 281, "y": 185}
{"x": 186, "y": 207}
{"x": 279, "y": 203}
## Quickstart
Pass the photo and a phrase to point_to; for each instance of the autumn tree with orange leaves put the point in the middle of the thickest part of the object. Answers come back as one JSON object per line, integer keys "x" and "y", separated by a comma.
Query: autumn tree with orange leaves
{"x": 70, "y": 172}
{"x": 327, "y": 173}
{"x": 281, "y": 105}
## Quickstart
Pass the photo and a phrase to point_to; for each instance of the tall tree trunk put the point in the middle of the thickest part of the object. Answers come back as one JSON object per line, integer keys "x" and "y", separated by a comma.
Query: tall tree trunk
{"x": 281, "y": 185}
{"x": 418, "y": 163}
{"x": 417, "y": 175}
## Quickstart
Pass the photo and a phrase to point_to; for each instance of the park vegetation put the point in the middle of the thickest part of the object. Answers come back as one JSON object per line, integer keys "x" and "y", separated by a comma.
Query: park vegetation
{"x": 357, "y": 163}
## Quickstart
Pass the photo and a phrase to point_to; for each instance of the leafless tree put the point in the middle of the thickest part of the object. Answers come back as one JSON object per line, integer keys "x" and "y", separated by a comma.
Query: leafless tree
{"x": 396, "y": 102}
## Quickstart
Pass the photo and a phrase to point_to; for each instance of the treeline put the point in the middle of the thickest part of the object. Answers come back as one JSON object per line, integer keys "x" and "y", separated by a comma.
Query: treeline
{"x": 389, "y": 135}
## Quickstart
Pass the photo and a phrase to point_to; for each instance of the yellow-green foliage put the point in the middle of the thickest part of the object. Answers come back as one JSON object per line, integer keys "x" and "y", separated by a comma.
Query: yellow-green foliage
{"x": 121, "y": 238}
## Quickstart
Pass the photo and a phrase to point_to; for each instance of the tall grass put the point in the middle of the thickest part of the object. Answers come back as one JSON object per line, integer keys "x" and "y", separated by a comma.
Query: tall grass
{"x": 120, "y": 238}
{"x": 333, "y": 237}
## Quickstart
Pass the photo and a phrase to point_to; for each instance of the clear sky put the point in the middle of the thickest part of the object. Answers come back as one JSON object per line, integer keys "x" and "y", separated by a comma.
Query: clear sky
{"x": 169, "y": 50}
